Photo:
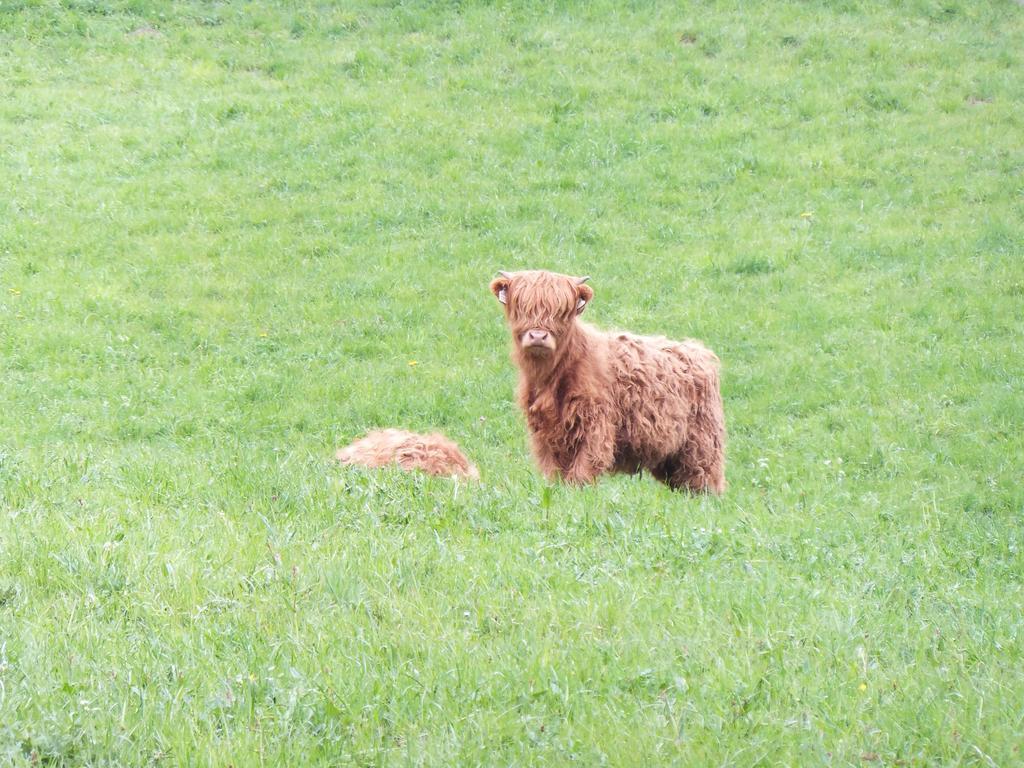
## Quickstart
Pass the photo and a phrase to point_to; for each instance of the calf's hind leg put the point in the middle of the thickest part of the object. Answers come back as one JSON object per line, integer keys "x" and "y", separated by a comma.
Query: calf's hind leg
{"x": 698, "y": 469}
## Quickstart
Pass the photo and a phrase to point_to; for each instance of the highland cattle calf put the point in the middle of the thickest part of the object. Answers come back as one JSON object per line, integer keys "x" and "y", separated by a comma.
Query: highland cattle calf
{"x": 610, "y": 402}
{"x": 434, "y": 454}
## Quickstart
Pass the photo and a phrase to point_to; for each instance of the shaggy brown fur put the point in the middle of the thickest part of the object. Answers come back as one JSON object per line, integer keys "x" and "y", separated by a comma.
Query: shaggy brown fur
{"x": 433, "y": 453}
{"x": 610, "y": 402}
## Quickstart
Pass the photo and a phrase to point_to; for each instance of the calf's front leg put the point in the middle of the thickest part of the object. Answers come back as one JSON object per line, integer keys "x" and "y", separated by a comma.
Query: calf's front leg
{"x": 591, "y": 442}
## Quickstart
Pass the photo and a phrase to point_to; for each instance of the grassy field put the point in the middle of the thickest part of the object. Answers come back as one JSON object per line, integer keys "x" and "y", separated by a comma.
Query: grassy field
{"x": 235, "y": 236}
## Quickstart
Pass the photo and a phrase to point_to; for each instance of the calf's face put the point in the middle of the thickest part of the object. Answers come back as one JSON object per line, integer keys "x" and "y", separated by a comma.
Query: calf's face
{"x": 541, "y": 307}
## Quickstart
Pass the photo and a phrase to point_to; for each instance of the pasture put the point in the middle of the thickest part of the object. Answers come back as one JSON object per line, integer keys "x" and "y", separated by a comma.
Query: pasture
{"x": 234, "y": 236}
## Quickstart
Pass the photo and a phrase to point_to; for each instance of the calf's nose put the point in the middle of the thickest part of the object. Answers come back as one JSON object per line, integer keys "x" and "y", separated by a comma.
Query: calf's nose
{"x": 536, "y": 335}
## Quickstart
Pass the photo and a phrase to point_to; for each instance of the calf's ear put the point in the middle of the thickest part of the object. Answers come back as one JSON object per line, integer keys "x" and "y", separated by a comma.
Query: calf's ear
{"x": 584, "y": 293}
{"x": 499, "y": 287}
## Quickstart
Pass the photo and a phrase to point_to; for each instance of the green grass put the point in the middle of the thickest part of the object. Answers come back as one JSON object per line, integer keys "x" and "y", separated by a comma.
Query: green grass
{"x": 227, "y": 229}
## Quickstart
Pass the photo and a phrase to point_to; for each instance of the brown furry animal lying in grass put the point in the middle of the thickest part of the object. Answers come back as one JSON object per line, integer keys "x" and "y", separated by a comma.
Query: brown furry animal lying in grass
{"x": 433, "y": 453}
{"x": 610, "y": 402}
